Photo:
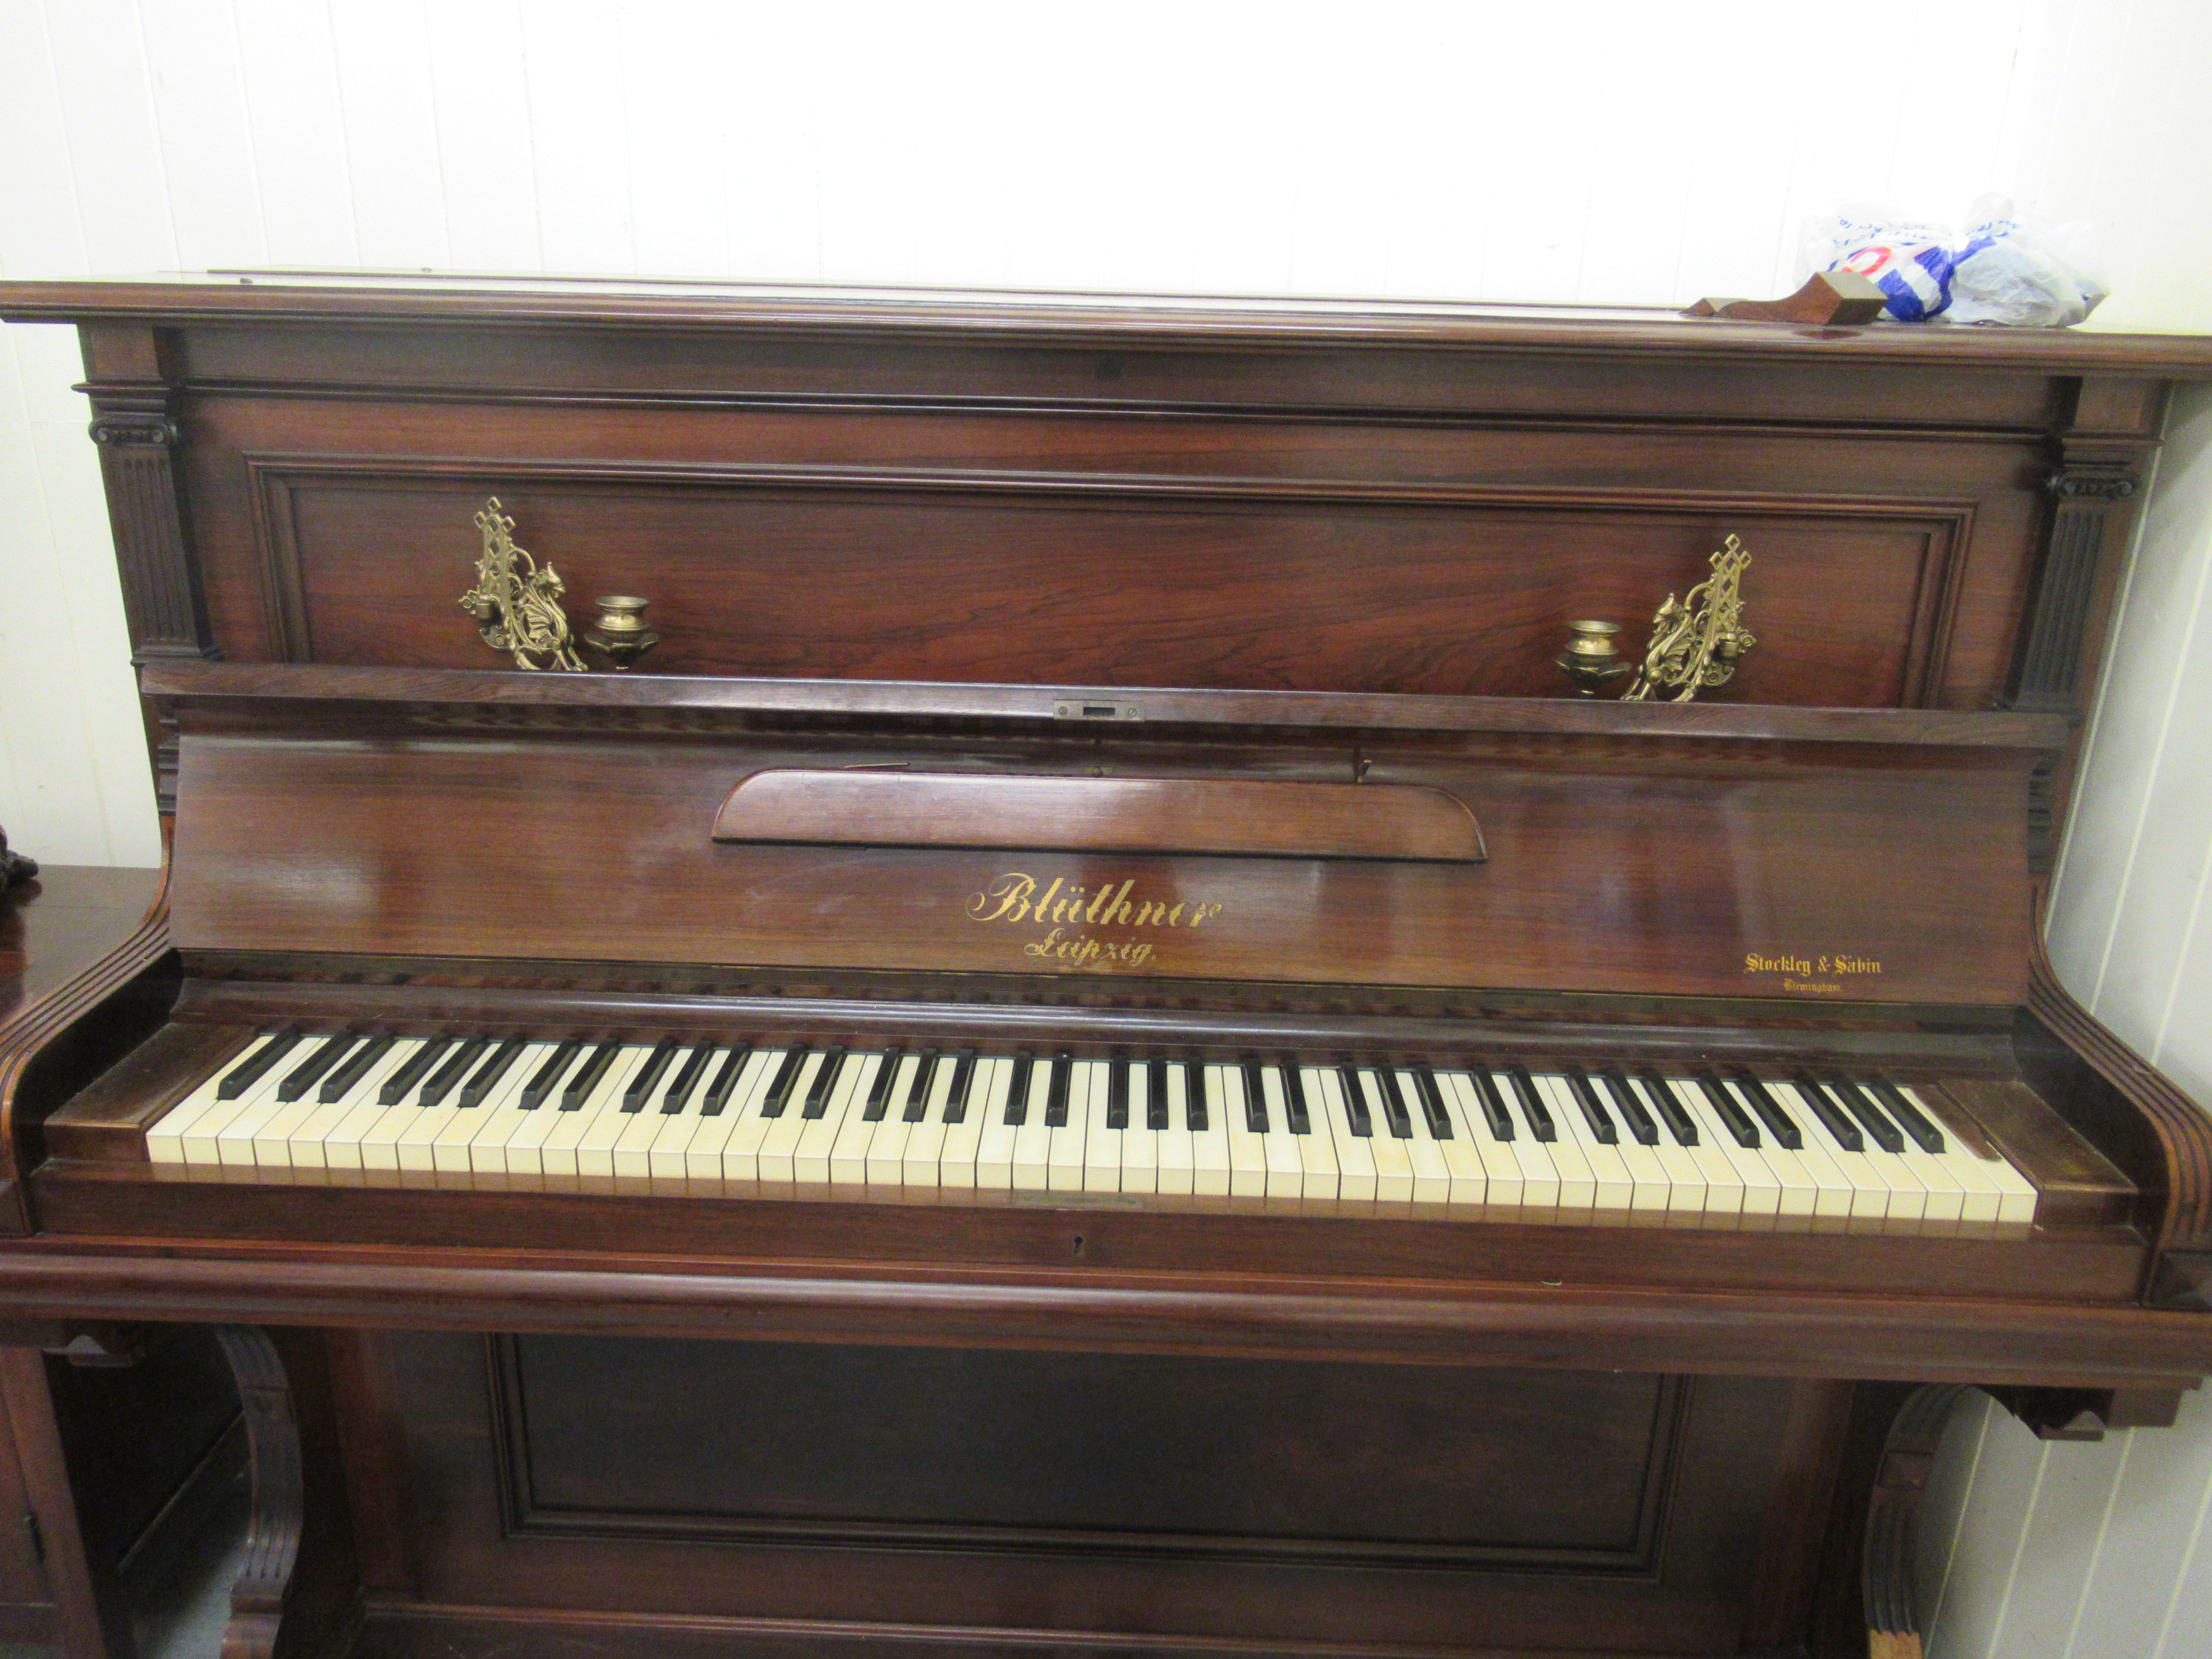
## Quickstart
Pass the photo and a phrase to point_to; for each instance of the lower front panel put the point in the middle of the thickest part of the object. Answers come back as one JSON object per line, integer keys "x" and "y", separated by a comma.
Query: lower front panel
{"x": 1021, "y": 1496}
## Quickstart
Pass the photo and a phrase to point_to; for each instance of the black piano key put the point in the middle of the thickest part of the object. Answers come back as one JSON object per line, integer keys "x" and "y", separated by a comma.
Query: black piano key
{"x": 1355, "y": 1100}
{"x": 1055, "y": 1094}
{"x": 495, "y": 1066}
{"x": 255, "y": 1066}
{"x": 879, "y": 1086}
{"x": 964, "y": 1084}
{"x": 1600, "y": 1120}
{"x": 1117, "y": 1092}
{"x": 786, "y": 1079}
{"x": 1779, "y": 1123}
{"x": 301, "y": 1077}
{"x": 1733, "y": 1117}
{"x": 917, "y": 1091}
{"x": 1197, "y": 1097}
{"x": 1680, "y": 1123}
{"x": 1639, "y": 1121}
{"x": 1914, "y": 1120}
{"x": 1495, "y": 1117}
{"x": 1871, "y": 1118}
{"x": 1844, "y": 1133}
{"x": 343, "y": 1081}
{"x": 639, "y": 1089}
{"x": 588, "y": 1076}
{"x": 1256, "y": 1097}
{"x": 412, "y": 1072}
{"x": 825, "y": 1080}
{"x": 539, "y": 1089}
{"x": 1297, "y": 1117}
{"x": 725, "y": 1081}
{"x": 1018, "y": 1097}
{"x": 687, "y": 1078}
{"x": 1394, "y": 1103}
{"x": 1432, "y": 1102}
{"x": 1156, "y": 1095}
{"x": 1533, "y": 1106}
{"x": 447, "y": 1078}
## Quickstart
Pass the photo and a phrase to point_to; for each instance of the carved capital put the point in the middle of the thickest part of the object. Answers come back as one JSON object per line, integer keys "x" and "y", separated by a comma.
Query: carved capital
{"x": 2083, "y": 483}
{"x": 135, "y": 430}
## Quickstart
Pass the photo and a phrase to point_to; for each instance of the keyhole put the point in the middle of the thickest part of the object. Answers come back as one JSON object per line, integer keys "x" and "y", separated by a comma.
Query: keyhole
{"x": 1079, "y": 1244}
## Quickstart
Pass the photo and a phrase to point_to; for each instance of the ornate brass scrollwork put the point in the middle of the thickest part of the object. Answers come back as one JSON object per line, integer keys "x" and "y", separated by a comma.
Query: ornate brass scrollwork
{"x": 517, "y": 601}
{"x": 1696, "y": 641}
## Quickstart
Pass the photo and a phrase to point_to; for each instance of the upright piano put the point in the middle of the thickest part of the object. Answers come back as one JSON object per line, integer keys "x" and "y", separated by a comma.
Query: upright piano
{"x": 1094, "y": 1051}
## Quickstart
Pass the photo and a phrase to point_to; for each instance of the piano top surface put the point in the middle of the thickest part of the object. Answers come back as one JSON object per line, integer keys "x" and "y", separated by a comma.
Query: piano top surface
{"x": 349, "y": 295}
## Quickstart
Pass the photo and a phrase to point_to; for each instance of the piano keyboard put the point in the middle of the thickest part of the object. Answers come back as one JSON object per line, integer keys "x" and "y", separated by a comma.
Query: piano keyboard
{"x": 1702, "y": 1148}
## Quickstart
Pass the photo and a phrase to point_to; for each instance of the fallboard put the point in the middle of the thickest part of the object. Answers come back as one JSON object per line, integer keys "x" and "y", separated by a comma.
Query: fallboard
{"x": 1820, "y": 856}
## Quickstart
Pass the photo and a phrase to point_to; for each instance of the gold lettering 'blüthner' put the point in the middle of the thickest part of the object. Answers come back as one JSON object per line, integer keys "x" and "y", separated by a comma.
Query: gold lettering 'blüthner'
{"x": 1068, "y": 914}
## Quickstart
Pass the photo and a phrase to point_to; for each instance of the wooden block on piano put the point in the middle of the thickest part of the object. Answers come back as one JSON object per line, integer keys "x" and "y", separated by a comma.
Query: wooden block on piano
{"x": 1835, "y": 297}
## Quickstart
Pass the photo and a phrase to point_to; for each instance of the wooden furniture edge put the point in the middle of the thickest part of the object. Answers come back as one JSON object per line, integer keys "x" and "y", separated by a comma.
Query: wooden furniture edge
{"x": 1166, "y": 320}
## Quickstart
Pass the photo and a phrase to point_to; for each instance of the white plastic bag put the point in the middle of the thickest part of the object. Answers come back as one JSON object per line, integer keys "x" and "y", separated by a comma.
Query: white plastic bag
{"x": 1911, "y": 262}
{"x": 2010, "y": 272}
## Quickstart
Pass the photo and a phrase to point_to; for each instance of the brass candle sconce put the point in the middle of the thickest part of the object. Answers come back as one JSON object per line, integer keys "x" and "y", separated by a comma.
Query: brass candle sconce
{"x": 1696, "y": 641}
{"x": 517, "y": 604}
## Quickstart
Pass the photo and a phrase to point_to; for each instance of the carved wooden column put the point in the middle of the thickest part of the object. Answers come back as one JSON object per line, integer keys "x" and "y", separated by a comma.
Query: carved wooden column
{"x": 134, "y": 422}
{"x": 1892, "y": 1522}
{"x": 272, "y": 1537}
{"x": 2048, "y": 679}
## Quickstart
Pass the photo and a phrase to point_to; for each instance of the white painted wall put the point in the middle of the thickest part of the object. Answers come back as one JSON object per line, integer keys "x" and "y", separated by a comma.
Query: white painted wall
{"x": 1582, "y": 150}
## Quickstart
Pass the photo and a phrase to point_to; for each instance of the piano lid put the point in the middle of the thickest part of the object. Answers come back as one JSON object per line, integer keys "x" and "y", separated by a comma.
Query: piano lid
{"x": 1818, "y": 856}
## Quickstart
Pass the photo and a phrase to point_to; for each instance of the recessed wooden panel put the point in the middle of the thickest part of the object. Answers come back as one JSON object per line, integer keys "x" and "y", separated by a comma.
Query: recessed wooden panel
{"x": 977, "y": 1448}
{"x": 1101, "y": 582}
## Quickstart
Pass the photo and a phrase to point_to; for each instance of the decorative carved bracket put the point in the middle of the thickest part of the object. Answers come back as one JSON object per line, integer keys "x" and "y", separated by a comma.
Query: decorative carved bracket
{"x": 272, "y": 1537}
{"x": 137, "y": 433}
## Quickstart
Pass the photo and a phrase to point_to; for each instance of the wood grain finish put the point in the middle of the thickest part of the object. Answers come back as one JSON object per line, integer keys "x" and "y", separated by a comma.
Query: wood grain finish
{"x": 809, "y": 806}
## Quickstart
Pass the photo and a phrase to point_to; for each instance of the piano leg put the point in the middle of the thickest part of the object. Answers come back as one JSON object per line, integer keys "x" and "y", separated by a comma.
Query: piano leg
{"x": 272, "y": 1538}
{"x": 1892, "y": 1522}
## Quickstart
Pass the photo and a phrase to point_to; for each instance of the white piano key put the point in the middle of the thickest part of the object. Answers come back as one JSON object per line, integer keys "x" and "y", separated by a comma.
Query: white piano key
{"x": 1071, "y": 1141}
{"x": 200, "y": 1141}
{"x": 848, "y": 1151}
{"x": 1393, "y": 1164}
{"x": 1176, "y": 1155}
{"x": 925, "y": 1142}
{"x": 1869, "y": 1199}
{"x": 361, "y": 1111}
{"x": 1539, "y": 1174}
{"x": 1992, "y": 1190}
{"x": 740, "y": 1158}
{"x": 1835, "y": 1193}
{"x": 672, "y": 1141}
{"x": 1462, "y": 1155}
{"x": 1431, "y": 1175}
{"x": 778, "y": 1146}
{"x": 812, "y": 1158}
{"x": 1140, "y": 1142}
{"x": 1209, "y": 1147}
{"x": 702, "y": 1153}
{"x": 1032, "y": 1157}
{"x": 1102, "y": 1147}
{"x": 1612, "y": 1188}
{"x": 1504, "y": 1186}
{"x": 1577, "y": 1181}
{"x": 1316, "y": 1148}
{"x": 958, "y": 1159}
{"x": 995, "y": 1141}
{"x": 1758, "y": 1191}
{"x": 1248, "y": 1152}
{"x": 1286, "y": 1174}
{"x": 488, "y": 1123}
{"x": 164, "y": 1139}
{"x": 1355, "y": 1157}
{"x": 582, "y": 1141}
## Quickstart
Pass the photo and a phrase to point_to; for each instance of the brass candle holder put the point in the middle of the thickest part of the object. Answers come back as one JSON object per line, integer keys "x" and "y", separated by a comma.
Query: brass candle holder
{"x": 1592, "y": 659}
{"x": 619, "y": 634}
